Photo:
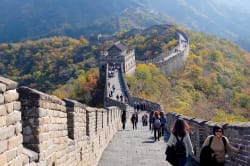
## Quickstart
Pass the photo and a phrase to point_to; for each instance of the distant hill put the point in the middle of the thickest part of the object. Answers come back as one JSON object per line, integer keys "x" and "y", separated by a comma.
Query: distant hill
{"x": 229, "y": 19}
{"x": 31, "y": 19}
{"x": 37, "y": 19}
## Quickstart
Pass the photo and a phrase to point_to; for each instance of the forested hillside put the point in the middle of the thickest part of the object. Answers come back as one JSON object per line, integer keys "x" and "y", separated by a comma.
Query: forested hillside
{"x": 47, "y": 63}
{"x": 214, "y": 83}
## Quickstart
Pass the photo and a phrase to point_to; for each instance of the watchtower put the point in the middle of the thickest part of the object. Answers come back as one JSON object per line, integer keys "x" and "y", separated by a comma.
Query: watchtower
{"x": 118, "y": 56}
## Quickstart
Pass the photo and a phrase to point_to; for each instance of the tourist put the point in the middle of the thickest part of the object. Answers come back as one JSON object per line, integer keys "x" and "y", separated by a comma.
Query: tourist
{"x": 180, "y": 136}
{"x": 145, "y": 119}
{"x": 220, "y": 145}
{"x": 134, "y": 120}
{"x": 157, "y": 126}
{"x": 124, "y": 119}
{"x": 163, "y": 122}
{"x": 151, "y": 120}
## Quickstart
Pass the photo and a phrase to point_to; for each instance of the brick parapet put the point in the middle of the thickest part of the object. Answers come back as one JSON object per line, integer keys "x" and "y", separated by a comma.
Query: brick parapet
{"x": 11, "y": 149}
{"x": 238, "y": 134}
{"x": 53, "y": 131}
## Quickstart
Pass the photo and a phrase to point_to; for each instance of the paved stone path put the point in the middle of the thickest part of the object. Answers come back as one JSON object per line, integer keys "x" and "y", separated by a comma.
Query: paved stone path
{"x": 134, "y": 148}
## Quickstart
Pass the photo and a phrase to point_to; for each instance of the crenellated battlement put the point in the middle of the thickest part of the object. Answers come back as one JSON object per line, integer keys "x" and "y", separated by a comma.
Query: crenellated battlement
{"x": 41, "y": 129}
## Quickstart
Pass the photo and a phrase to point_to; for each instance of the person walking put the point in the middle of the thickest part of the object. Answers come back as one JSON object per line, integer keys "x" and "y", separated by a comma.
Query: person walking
{"x": 145, "y": 119}
{"x": 151, "y": 119}
{"x": 134, "y": 120}
{"x": 219, "y": 145}
{"x": 157, "y": 126}
{"x": 124, "y": 119}
{"x": 180, "y": 138}
{"x": 163, "y": 122}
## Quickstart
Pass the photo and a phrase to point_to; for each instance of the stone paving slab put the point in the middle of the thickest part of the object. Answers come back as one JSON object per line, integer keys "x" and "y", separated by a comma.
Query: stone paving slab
{"x": 134, "y": 148}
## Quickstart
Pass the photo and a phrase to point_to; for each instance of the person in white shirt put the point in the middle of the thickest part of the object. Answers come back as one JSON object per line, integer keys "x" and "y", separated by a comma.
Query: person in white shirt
{"x": 181, "y": 132}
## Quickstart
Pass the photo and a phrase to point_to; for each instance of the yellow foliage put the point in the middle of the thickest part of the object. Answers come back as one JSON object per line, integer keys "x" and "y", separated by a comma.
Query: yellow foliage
{"x": 222, "y": 116}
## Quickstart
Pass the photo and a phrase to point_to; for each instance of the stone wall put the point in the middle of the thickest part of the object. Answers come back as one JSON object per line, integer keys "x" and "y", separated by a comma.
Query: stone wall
{"x": 238, "y": 134}
{"x": 172, "y": 60}
{"x": 174, "y": 63}
{"x": 40, "y": 129}
{"x": 11, "y": 149}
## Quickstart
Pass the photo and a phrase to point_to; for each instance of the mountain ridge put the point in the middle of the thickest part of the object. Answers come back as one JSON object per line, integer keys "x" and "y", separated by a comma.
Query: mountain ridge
{"x": 35, "y": 19}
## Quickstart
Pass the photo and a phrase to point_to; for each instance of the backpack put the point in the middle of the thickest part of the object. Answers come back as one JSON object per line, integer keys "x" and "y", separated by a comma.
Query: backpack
{"x": 180, "y": 148}
{"x": 206, "y": 158}
{"x": 157, "y": 123}
{"x": 163, "y": 120}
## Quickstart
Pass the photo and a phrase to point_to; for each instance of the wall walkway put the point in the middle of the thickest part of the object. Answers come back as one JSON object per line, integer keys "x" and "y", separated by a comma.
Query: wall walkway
{"x": 134, "y": 148}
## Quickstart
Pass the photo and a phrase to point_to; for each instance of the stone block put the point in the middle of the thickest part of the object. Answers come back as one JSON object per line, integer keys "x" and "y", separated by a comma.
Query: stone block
{"x": 20, "y": 149}
{"x": 6, "y": 132}
{"x": 13, "y": 118}
{"x": 10, "y": 96}
{"x": 9, "y": 83}
{"x": 2, "y": 110}
{"x": 11, "y": 154}
{"x": 13, "y": 142}
{"x": 16, "y": 162}
{"x": 2, "y": 88}
{"x": 2, "y": 121}
{"x": 1, "y": 98}
{"x": 3, "y": 159}
{"x": 44, "y": 128}
{"x": 42, "y": 112}
{"x": 18, "y": 128}
{"x": 43, "y": 137}
{"x": 25, "y": 160}
{"x": 9, "y": 107}
{"x": 3, "y": 146}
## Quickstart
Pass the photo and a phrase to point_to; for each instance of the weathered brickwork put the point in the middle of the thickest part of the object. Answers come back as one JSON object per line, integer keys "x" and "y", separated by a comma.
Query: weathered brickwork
{"x": 11, "y": 148}
{"x": 40, "y": 129}
{"x": 238, "y": 134}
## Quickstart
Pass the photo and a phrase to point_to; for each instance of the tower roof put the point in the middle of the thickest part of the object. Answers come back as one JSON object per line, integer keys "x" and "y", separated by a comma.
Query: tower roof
{"x": 119, "y": 45}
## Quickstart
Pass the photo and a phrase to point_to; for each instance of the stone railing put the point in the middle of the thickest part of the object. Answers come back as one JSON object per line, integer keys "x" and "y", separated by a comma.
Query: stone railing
{"x": 238, "y": 134}
{"x": 40, "y": 129}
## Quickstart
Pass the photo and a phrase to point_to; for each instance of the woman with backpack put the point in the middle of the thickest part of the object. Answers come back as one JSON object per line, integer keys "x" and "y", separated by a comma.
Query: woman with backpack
{"x": 219, "y": 145}
{"x": 180, "y": 139}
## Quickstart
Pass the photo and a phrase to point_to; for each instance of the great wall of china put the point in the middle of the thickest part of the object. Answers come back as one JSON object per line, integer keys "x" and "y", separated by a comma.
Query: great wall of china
{"x": 39, "y": 129}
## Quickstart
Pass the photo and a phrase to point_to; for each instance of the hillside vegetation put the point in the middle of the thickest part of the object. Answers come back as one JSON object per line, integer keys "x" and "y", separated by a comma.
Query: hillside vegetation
{"x": 214, "y": 83}
{"x": 48, "y": 63}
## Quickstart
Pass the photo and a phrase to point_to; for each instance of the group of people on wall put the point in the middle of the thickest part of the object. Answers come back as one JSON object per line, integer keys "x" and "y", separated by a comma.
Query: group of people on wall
{"x": 213, "y": 151}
